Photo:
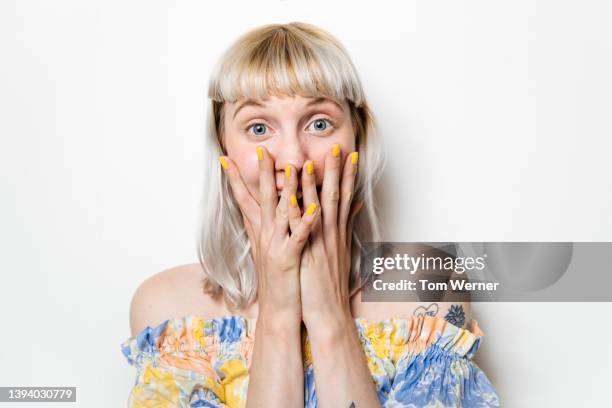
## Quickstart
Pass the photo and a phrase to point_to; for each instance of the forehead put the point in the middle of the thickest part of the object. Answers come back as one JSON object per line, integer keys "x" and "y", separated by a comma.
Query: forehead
{"x": 285, "y": 102}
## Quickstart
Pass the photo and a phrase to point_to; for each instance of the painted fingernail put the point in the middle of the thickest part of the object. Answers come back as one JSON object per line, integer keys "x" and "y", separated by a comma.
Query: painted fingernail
{"x": 336, "y": 150}
{"x": 293, "y": 201}
{"x": 287, "y": 171}
{"x": 223, "y": 162}
{"x": 309, "y": 167}
{"x": 259, "y": 153}
{"x": 311, "y": 208}
{"x": 354, "y": 157}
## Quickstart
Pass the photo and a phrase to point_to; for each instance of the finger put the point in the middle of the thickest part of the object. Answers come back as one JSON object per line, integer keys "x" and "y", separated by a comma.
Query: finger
{"x": 347, "y": 190}
{"x": 330, "y": 193}
{"x": 282, "y": 208}
{"x": 293, "y": 208}
{"x": 356, "y": 208}
{"x": 246, "y": 202}
{"x": 303, "y": 230}
{"x": 268, "y": 198}
{"x": 309, "y": 194}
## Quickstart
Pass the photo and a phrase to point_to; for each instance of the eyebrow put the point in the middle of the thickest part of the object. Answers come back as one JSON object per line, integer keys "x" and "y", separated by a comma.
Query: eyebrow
{"x": 319, "y": 101}
{"x": 322, "y": 100}
{"x": 248, "y": 102}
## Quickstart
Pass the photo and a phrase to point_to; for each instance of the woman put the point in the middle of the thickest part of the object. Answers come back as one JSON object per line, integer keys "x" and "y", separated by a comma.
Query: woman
{"x": 272, "y": 311}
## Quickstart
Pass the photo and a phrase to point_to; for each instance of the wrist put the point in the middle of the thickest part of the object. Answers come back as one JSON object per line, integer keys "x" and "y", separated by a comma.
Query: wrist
{"x": 278, "y": 323}
{"x": 329, "y": 328}
{"x": 333, "y": 342}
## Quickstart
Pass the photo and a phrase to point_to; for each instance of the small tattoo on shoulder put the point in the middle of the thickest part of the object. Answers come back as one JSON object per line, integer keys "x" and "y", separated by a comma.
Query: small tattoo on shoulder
{"x": 455, "y": 315}
{"x": 430, "y": 310}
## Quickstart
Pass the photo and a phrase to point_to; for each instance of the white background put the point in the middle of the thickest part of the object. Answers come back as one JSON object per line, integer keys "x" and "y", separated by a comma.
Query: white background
{"x": 496, "y": 116}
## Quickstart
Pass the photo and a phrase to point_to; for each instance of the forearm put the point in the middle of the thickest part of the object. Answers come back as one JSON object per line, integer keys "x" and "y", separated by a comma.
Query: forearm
{"x": 342, "y": 376}
{"x": 276, "y": 375}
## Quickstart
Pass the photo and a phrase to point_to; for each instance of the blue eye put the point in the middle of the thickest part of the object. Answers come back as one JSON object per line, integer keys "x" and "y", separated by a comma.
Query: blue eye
{"x": 322, "y": 124}
{"x": 258, "y": 129}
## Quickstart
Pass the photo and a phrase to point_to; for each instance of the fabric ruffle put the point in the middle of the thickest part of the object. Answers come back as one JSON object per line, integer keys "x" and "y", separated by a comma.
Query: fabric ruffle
{"x": 425, "y": 361}
{"x": 214, "y": 337}
{"x": 422, "y": 360}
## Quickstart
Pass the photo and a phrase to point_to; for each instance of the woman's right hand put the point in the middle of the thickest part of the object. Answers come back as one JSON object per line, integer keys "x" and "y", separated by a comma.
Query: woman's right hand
{"x": 276, "y": 357}
{"x": 276, "y": 253}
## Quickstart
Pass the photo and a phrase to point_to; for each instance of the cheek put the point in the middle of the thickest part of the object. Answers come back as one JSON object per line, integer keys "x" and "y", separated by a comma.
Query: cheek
{"x": 248, "y": 167}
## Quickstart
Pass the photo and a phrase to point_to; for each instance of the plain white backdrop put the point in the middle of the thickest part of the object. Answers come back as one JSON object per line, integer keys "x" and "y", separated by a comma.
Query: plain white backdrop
{"x": 496, "y": 116}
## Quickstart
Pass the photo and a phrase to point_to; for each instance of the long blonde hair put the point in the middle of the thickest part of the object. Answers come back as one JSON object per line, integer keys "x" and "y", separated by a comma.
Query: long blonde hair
{"x": 279, "y": 59}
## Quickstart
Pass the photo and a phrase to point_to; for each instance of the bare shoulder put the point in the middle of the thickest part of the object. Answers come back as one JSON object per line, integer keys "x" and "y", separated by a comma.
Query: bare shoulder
{"x": 172, "y": 293}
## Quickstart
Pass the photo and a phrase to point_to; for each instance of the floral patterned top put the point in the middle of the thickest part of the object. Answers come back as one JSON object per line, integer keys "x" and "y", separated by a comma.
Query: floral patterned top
{"x": 421, "y": 361}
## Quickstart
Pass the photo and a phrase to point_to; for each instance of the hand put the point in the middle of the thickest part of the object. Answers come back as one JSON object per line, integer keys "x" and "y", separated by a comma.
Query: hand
{"x": 275, "y": 252}
{"x": 326, "y": 259}
{"x": 340, "y": 368}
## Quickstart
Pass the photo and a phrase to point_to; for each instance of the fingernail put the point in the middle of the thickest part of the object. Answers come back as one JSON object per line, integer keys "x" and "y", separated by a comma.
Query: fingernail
{"x": 336, "y": 150}
{"x": 354, "y": 157}
{"x": 309, "y": 167}
{"x": 311, "y": 208}
{"x": 259, "y": 153}
{"x": 287, "y": 171}
{"x": 223, "y": 162}
{"x": 293, "y": 200}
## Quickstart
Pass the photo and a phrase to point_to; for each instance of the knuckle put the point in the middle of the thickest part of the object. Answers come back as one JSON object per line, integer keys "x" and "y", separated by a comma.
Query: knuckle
{"x": 299, "y": 239}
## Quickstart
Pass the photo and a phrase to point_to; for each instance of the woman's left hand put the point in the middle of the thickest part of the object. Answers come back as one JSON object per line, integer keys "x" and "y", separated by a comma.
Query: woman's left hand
{"x": 326, "y": 258}
{"x": 341, "y": 371}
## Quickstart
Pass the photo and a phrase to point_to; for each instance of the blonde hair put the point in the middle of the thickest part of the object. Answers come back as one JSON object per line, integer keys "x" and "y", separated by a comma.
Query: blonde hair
{"x": 279, "y": 59}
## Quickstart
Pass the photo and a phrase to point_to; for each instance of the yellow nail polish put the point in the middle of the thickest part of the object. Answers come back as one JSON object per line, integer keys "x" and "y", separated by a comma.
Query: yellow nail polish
{"x": 293, "y": 201}
{"x": 309, "y": 167}
{"x": 354, "y": 157}
{"x": 336, "y": 150}
{"x": 287, "y": 171}
{"x": 223, "y": 162}
{"x": 311, "y": 208}
{"x": 259, "y": 153}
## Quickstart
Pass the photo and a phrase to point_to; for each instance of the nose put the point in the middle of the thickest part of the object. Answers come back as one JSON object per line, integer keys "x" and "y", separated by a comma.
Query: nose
{"x": 290, "y": 151}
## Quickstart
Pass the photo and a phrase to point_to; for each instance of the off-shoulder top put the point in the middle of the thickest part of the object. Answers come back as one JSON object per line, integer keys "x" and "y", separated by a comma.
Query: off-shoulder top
{"x": 421, "y": 361}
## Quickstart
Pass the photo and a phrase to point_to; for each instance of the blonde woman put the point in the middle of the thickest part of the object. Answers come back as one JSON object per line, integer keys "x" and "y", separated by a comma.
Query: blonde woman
{"x": 272, "y": 312}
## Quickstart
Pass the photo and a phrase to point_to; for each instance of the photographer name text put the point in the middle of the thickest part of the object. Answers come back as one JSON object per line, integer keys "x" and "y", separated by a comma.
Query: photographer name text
{"x": 424, "y": 284}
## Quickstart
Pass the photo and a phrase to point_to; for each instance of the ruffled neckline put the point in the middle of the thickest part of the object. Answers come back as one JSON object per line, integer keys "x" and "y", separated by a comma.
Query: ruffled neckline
{"x": 195, "y": 334}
